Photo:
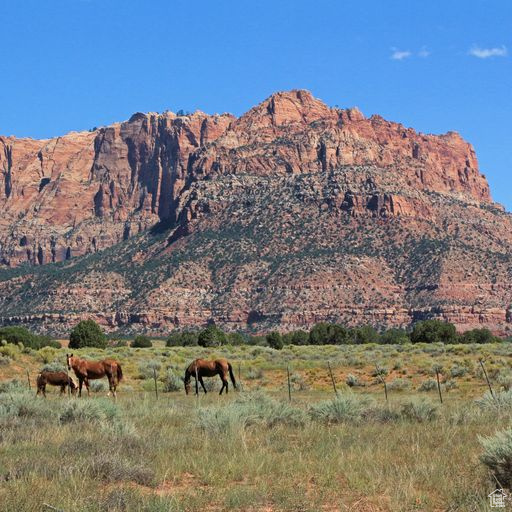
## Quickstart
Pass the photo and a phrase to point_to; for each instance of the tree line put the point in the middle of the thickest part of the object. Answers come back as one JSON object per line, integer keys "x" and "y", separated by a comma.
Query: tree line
{"x": 88, "y": 333}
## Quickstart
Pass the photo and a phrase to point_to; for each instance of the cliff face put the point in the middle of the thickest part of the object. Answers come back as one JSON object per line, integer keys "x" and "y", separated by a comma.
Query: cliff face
{"x": 291, "y": 214}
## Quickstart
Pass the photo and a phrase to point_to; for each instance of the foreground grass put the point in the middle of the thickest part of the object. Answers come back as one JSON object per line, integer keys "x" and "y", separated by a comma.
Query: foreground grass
{"x": 186, "y": 454}
{"x": 246, "y": 453}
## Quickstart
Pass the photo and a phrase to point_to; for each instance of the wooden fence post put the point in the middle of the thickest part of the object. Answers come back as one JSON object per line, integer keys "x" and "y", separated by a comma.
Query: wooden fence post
{"x": 240, "y": 377}
{"x": 439, "y": 385}
{"x": 379, "y": 373}
{"x": 28, "y": 378}
{"x": 289, "y": 384}
{"x": 486, "y": 377}
{"x": 332, "y": 378}
{"x": 156, "y": 385}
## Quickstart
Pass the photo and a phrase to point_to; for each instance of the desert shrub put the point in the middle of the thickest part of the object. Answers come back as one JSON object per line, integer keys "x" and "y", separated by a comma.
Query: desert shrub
{"x": 298, "y": 382}
{"x": 343, "y": 408}
{"x": 99, "y": 409}
{"x": 182, "y": 339}
{"x": 450, "y": 384}
{"x": 98, "y": 386}
{"x": 172, "y": 382}
{"x": 296, "y": 338}
{"x": 379, "y": 371}
{"x": 433, "y": 331}
{"x": 249, "y": 409}
{"x": 141, "y": 341}
{"x": 352, "y": 381}
{"x": 11, "y": 386}
{"x": 21, "y": 404}
{"x": 275, "y": 340}
{"x": 147, "y": 369}
{"x": 505, "y": 381}
{"x": 87, "y": 333}
{"x": 254, "y": 373}
{"x": 497, "y": 456}
{"x": 501, "y": 401}
{"x": 212, "y": 336}
{"x": 428, "y": 385}
{"x": 54, "y": 366}
{"x": 47, "y": 354}
{"x": 399, "y": 385}
{"x": 10, "y": 351}
{"x": 458, "y": 371}
{"x": 115, "y": 468}
{"x": 418, "y": 410}
{"x": 5, "y": 361}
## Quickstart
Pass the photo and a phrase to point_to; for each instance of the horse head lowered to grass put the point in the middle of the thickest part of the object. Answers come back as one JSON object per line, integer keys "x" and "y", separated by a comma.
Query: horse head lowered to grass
{"x": 88, "y": 370}
{"x": 203, "y": 368}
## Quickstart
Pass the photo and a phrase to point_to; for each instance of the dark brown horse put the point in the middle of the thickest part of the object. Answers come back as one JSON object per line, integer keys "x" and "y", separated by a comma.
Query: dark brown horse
{"x": 61, "y": 379}
{"x": 89, "y": 370}
{"x": 204, "y": 368}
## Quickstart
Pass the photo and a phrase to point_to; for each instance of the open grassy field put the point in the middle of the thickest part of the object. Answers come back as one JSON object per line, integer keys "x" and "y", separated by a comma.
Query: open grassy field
{"x": 255, "y": 450}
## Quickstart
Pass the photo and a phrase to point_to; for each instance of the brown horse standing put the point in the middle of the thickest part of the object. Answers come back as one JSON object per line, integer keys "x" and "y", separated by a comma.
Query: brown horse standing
{"x": 89, "y": 370}
{"x": 61, "y": 379}
{"x": 204, "y": 368}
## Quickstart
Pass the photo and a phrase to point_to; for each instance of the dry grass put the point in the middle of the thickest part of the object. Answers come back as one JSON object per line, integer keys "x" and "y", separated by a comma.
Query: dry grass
{"x": 160, "y": 455}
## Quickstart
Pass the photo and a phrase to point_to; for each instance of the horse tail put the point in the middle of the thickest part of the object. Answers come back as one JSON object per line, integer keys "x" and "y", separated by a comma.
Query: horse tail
{"x": 232, "y": 375}
{"x": 119, "y": 373}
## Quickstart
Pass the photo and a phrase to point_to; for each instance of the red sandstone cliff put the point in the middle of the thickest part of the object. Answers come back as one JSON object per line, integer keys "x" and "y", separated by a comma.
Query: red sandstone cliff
{"x": 293, "y": 213}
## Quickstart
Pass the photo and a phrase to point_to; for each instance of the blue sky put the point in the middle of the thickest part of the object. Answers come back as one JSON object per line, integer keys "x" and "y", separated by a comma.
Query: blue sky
{"x": 436, "y": 66}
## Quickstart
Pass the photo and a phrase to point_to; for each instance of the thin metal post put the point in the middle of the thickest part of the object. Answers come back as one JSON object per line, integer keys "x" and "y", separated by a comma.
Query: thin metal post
{"x": 332, "y": 378}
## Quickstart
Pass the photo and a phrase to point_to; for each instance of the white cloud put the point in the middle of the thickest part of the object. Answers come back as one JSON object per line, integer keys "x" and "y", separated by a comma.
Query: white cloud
{"x": 400, "y": 54}
{"x": 423, "y": 53}
{"x": 485, "y": 53}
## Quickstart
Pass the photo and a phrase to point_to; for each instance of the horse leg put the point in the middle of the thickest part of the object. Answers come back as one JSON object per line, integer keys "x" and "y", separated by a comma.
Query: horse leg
{"x": 112, "y": 385}
{"x": 202, "y": 384}
{"x": 197, "y": 386}
{"x": 62, "y": 389}
{"x": 80, "y": 383}
{"x": 86, "y": 382}
{"x": 224, "y": 384}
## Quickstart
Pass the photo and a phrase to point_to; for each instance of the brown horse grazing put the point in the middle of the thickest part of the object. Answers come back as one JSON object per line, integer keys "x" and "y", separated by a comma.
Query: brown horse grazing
{"x": 61, "y": 379}
{"x": 203, "y": 368}
{"x": 89, "y": 370}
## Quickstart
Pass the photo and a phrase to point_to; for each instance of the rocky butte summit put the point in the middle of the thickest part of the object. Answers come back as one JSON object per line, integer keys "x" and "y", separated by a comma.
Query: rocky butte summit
{"x": 291, "y": 214}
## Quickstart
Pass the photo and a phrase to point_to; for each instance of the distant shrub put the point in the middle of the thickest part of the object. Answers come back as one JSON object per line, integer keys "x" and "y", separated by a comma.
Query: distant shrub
{"x": 395, "y": 337}
{"x": 497, "y": 456}
{"x": 212, "y": 336}
{"x": 298, "y": 382}
{"x": 352, "y": 381}
{"x": 296, "y": 338}
{"x": 419, "y": 410}
{"x": 182, "y": 339}
{"x": 501, "y": 401}
{"x": 17, "y": 334}
{"x": 458, "y": 371}
{"x": 87, "y": 333}
{"x": 47, "y": 354}
{"x": 54, "y": 366}
{"x": 399, "y": 385}
{"x": 147, "y": 369}
{"x": 172, "y": 382}
{"x": 5, "y": 361}
{"x": 235, "y": 339}
{"x": 275, "y": 340}
{"x": 505, "y": 381}
{"x": 249, "y": 409}
{"x": 450, "y": 384}
{"x": 433, "y": 331}
{"x": 428, "y": 385}
{"x": 107, "y": 468}
{"x": 254, "y": 373}
{"x": 141, "y": 341}
{"x": 329, "y": 334}
{"x": 478, "y": 336}
{"x": 365, "y": 334}
{"x": 343, "y": 408}
{"x": 99, "y": 409}
{"x": 98, "y": 386}
{"x": 10, "y": 351}
{"x": 21, "y": 404}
